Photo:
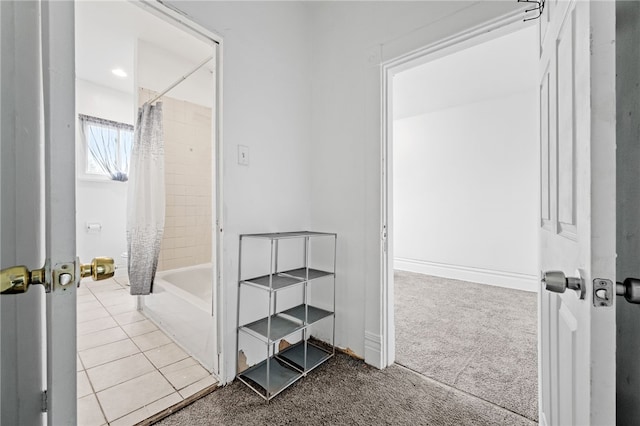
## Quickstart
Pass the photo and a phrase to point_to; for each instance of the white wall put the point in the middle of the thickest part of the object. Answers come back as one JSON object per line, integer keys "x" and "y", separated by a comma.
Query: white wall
{"x": 350, "y": 41}
{"x": 267, "y": 107}
{"x": 302, "y": 90}
{"x": 465, "y": 164}
{"x": 465, "y": 192}
{"x": 101, "y": 201}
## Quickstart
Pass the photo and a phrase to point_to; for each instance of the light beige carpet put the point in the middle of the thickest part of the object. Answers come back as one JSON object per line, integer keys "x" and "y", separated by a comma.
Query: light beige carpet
{"x": 476, "y": 338}
{"x": 480, "y": 339}
{"x": 345, "y": 391}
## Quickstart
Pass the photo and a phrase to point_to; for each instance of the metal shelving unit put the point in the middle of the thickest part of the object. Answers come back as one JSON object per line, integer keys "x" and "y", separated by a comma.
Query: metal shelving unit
{"x": 284, "y": 366}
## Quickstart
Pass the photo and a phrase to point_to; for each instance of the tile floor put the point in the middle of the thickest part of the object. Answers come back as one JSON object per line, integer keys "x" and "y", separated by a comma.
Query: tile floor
{"x": 128, "y": 369}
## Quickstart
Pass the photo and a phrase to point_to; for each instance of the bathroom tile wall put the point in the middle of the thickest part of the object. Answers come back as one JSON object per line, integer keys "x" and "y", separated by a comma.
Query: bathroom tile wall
{"x": 188, "y": 176}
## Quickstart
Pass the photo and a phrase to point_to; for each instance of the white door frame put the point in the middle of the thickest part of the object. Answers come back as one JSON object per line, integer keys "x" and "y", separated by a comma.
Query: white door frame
{"x": 492, "y": 29}
{"x": 182, "y": 21}
{"x": 58, "y": 59}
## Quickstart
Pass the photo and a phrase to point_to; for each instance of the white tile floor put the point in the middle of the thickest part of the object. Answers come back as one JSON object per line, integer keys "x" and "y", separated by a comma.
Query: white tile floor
{"x": 128, "y": 369}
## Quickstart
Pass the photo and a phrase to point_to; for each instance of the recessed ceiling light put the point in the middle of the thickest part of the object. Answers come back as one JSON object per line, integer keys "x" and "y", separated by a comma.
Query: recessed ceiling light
{"x": 119, "y": 72}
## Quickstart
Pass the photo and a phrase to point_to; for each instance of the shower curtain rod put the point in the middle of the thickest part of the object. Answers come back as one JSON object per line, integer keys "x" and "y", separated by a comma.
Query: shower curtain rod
{"x": 181, "y": 79}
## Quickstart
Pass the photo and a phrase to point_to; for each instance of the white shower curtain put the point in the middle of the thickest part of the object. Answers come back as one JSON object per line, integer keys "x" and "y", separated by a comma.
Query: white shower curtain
{"x": 146, "y": 199}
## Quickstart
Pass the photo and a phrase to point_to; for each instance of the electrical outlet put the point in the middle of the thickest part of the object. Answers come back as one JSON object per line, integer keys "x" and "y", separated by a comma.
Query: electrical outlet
{"x": 243, "y": 155}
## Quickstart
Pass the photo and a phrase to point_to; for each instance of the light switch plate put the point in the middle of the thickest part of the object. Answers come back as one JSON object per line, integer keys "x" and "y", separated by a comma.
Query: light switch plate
{"x": 243, "y": 155}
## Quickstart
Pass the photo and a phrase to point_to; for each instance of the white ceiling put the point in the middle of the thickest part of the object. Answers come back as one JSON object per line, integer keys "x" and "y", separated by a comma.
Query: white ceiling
{"x": 493, "y": 69}
{"x": 106, "y": 36}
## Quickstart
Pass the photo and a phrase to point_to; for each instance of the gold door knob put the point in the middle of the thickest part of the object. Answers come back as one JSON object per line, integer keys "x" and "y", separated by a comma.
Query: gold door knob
{"x": 17, "y": 279}
{"x": 100, "y": 268}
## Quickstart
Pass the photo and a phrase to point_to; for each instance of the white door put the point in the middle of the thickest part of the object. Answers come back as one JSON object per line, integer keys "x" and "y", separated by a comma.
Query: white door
{"x": 578, "y": 217}
{"x": 38, "y": 210}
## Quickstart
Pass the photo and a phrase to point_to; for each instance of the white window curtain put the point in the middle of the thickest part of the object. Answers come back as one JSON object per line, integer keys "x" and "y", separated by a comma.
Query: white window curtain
{"x": 108, "y": 144}
{"x": 146, "y": 199}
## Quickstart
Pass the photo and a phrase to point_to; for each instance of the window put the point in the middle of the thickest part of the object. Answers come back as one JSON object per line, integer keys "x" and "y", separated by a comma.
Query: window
{"x": 107, "y": 146}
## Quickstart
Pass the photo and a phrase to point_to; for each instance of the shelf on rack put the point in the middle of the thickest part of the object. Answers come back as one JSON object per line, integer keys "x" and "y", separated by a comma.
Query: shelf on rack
{"x": 295, "y": 355}
{"x": 280, "y": 376}
{"x": 286, "y": 278}
{"x": 280, "y": 327}
{"x": 278, "y": 281}
{"x": 283, "y": 235}
{"x": 314, "y": 314}
{"x": 301, "y": 273}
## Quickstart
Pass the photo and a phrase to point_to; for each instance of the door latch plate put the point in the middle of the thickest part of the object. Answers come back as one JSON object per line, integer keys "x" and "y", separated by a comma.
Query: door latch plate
{"x": 64, "y": 276}
{"x": 602, "y": 292}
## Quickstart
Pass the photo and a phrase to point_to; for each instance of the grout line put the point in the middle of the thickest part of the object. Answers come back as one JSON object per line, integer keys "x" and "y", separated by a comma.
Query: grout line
{"x": 127, "y": 338}
{"x": 112, "y": 360}
{"x": 197, "y": 363}
{"x": 100, "y": 331}
{"x": 157, "y": 347}
{"x": 431, "y": 379}
{"x": 94, "y": 393}
{"x": 180, "y": 405}
{"x": 169, "y": 410}
{"x": 92, "y": 319}
{"x": 152, "y": 402}
{"x": 158, "y": 369}
{"x": 96, "y": 331}
{"x": 132, "y": 378}
{"x": 144, "y": 334}
{"x": 78, "y": 358}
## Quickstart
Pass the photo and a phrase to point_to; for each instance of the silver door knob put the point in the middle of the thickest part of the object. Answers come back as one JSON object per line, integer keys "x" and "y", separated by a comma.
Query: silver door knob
{"x": 557, "y": 282}
{"x": 630, "y": 289}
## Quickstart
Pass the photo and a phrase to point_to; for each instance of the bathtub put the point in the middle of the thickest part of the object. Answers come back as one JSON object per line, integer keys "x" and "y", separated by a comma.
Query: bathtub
{"x": 181, "y": 305}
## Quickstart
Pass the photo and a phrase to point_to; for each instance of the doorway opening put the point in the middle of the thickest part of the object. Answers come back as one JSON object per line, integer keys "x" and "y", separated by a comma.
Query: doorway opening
{"x": 140, "y": 355}
{"x": 462, "y": 213}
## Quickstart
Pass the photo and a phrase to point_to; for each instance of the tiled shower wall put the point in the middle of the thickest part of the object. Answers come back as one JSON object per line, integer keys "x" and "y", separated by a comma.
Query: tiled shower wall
{"x": 188, "y": 176}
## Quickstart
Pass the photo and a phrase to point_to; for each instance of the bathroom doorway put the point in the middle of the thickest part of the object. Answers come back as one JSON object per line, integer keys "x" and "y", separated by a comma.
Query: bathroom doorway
{"x": 141, "y": 355}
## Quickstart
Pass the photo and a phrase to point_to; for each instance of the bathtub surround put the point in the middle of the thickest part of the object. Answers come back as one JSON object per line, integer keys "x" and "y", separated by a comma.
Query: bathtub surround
{"x": 181, "y": 306}
{"x": 182, "y": 300}
{"x": 146, "y": 199}
{"x": 187, "y": 239}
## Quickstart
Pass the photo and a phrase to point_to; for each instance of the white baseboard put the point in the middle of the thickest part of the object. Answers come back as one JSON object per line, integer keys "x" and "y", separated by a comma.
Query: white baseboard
{"x": 543, "y": 419}
{"x": 373, "y": 349}
{"x": 466, "y": 273}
